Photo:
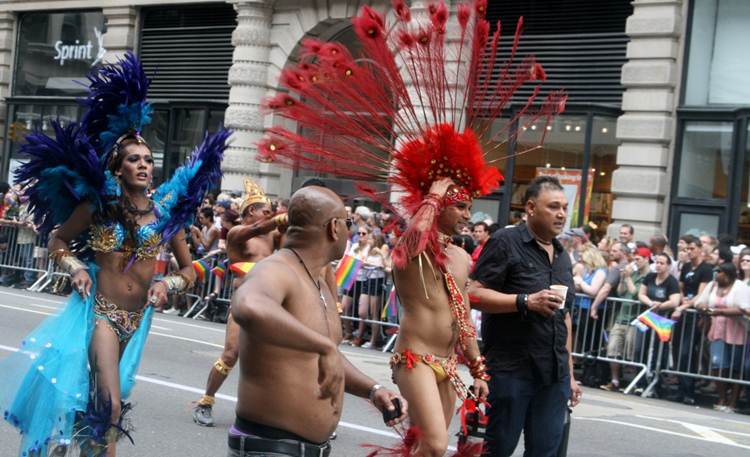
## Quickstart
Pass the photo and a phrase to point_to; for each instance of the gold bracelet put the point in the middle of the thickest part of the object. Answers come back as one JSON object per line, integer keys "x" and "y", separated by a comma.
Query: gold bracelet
{"x": 281, "y": 220}
{"x": 67, "y": 262}
{"x": 177, "y": 282}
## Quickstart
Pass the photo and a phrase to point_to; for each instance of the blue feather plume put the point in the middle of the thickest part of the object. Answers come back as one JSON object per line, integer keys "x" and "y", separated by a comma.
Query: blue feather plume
{"x": 61, "y": 173}
{"x": 185, "y": 191}
{"x": 116, "y": 102}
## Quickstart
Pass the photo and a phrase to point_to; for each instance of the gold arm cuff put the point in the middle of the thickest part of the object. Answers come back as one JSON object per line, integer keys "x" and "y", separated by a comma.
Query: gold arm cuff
{"x": 177, "y": 282}
{"x": 67, "y": 261}
{"x": 281, "y": 220}
{"x": 222, "y": 367}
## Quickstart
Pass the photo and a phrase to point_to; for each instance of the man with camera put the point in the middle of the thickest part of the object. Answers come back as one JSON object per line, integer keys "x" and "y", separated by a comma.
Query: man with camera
{"x": 523, "y": 283}
{"x": 292, "y": 376}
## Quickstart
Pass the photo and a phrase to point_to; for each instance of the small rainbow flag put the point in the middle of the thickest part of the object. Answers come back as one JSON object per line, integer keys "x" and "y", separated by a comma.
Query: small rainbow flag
{"x": 200, "y": 268}
{"x": 241, "y": 268}
{"x": 346, "y": 272}
{"x": 390, "y": 310}
{"x": 220, "y": 269}
{"x": 661, "y": 325}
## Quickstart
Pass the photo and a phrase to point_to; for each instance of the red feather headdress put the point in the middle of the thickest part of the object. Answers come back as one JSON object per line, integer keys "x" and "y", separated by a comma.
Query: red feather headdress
{"x": 404, "y": 110}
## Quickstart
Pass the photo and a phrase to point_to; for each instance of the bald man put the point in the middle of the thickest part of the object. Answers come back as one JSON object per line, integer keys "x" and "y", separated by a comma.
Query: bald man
{"x": 292, "y": 376}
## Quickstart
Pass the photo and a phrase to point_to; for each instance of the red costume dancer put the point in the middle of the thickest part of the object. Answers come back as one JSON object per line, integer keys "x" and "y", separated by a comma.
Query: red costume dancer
{"x": 407, "y": 111}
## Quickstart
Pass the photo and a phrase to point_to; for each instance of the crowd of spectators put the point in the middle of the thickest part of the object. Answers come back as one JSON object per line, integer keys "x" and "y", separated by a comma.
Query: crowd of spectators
{"x": 703, "y": 287}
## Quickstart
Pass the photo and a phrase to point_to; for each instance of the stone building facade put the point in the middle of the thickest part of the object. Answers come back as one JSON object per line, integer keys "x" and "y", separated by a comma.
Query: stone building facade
{"x": 647, "y": 122}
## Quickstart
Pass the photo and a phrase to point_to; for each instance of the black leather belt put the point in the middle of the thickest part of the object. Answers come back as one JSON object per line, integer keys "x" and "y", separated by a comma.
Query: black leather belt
{"x": 286, "y": 447}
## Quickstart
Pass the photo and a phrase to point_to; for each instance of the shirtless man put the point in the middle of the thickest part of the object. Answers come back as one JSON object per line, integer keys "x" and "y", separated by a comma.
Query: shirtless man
{"x": 432, "y": 385}
{"x": 253, "y": 241}
{"x": 292, "y": 376}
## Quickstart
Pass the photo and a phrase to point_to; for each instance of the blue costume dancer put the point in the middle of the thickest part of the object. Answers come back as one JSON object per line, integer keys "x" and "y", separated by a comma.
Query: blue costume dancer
{"x": 64, "y": 389}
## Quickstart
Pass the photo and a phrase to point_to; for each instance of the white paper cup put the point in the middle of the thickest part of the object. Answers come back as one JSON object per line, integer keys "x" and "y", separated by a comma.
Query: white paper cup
{"x": 560, "y": 290}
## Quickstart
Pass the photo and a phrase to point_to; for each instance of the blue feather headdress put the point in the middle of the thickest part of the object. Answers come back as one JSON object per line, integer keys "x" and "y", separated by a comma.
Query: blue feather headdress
{"x": 116, "y": 103}
{"x": 61, "y": 173}
{"x": 187, "y": 188}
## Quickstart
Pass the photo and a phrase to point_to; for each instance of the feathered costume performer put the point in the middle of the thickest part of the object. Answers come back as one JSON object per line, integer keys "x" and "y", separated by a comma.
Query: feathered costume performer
{"x": 411, "y": 110}
{"x": 47, "y": 389}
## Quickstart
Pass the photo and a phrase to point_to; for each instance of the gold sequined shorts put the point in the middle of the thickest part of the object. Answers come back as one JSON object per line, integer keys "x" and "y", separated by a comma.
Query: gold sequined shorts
{"x": 123, "y": 323}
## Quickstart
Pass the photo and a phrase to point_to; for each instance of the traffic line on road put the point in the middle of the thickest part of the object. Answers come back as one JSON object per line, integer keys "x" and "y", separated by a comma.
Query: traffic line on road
{"x": 60, "y": 302}
{"x": 659, "y": 430}
{"x": 702, "y": 430}
{"x": 26, "y": 310}
{"x": 229, "y": 398}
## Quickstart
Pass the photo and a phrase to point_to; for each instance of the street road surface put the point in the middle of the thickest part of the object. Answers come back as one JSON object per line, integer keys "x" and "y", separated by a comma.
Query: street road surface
{"x": 180, "y": 353}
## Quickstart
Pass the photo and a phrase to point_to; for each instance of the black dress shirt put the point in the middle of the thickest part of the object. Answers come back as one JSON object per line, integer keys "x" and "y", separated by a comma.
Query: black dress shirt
{"x": 512, "y": 262}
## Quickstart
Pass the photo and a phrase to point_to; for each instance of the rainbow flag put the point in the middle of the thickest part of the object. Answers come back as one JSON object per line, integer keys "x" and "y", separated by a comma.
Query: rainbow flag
{"x": 346, "y": 272}
{"x": 661, "y": 325}
{"x": 390, "y": 310}
{"x": 200, "y": 268}
{"x": 220, "y": 269}
{"x": 241, "y": 268}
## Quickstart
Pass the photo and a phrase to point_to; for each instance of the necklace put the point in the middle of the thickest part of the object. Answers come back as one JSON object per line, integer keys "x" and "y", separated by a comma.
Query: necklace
{"x": 134, "y": 210}
{"x": 317, "y": 285}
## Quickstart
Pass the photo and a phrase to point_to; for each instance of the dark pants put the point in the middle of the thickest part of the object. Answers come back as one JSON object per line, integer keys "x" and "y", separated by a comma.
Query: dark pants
{"x": 686, "y": 342}
{"x": 524, "y": 404}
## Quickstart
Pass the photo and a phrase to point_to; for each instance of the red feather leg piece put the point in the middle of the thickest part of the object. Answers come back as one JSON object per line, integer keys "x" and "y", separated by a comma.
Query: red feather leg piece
{"x": 409, "y": 441}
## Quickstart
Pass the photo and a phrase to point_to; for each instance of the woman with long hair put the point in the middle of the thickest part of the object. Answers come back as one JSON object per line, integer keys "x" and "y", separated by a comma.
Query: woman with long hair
{"x": 67, "y": 385}
{"x": 359, "y": 250}
{"x": 588, "y": 280}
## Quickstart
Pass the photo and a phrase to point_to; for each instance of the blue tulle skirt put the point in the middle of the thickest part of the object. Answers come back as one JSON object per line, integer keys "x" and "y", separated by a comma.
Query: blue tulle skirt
{"x": 45, "y": 385}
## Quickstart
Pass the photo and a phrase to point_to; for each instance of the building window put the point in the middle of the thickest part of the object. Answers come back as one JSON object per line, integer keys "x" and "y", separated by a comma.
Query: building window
{"x": 743, "y": 219}
{"x": 718, "y": 69}
{"x": 706, "y": 160}
{"x": 55, "y": 51}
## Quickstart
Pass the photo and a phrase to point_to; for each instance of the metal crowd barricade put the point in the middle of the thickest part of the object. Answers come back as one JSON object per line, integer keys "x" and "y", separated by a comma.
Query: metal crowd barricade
{"x": 200, "y": 294}
{"x": 689, "y": 353}
{"x": 23, "y": 255}
{"x": 381, "y": 297}
{"x": 591, "y": 337}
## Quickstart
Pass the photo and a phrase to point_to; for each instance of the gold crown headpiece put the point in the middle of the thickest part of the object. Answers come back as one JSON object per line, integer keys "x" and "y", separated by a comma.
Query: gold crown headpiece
{"x": 253, "y": 194}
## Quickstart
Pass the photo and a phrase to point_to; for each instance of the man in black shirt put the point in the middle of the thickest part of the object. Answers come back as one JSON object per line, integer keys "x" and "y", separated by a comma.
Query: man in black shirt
{"x": 526, "y": 329}
{"x": 693, "y": 278}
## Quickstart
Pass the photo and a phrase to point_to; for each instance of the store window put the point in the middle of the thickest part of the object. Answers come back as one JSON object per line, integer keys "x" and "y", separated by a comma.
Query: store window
{"x": 706, "y": 160}
{"x": 602, "y": 163}
{"x": 56, "y": 50}
{"x": 561, "y": 155}
{"x": 743, "y": 211}
{"x": 718, "y": 68}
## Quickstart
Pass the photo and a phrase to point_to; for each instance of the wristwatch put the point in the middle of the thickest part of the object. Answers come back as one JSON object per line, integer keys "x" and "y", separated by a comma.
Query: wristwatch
{"x": 373, "y": 389}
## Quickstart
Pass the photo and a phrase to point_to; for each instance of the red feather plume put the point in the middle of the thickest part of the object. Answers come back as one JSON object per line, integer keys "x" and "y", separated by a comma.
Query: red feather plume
{"x": 412, "y": 101}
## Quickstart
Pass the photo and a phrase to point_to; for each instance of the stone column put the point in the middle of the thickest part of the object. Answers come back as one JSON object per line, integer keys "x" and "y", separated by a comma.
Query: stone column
{"x": 7, "y": 43}
{"x": 248, "y": 78}
{"x": 646, "y": 129}
{"x": 121, "y": 33}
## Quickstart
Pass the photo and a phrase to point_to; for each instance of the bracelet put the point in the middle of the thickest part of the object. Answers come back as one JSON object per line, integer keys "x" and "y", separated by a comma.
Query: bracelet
{"x": 373, "y": 389}
{"x": 478, "y": 369}
{"x": 67, "y": 261}
{"x": 177, "y": 282}
{"x": 281, "y": 220}
{"x": 522, "y": 304}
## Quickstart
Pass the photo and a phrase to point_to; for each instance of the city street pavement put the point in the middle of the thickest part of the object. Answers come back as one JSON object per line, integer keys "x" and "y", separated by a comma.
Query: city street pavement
{"x": 180, "y": 353}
